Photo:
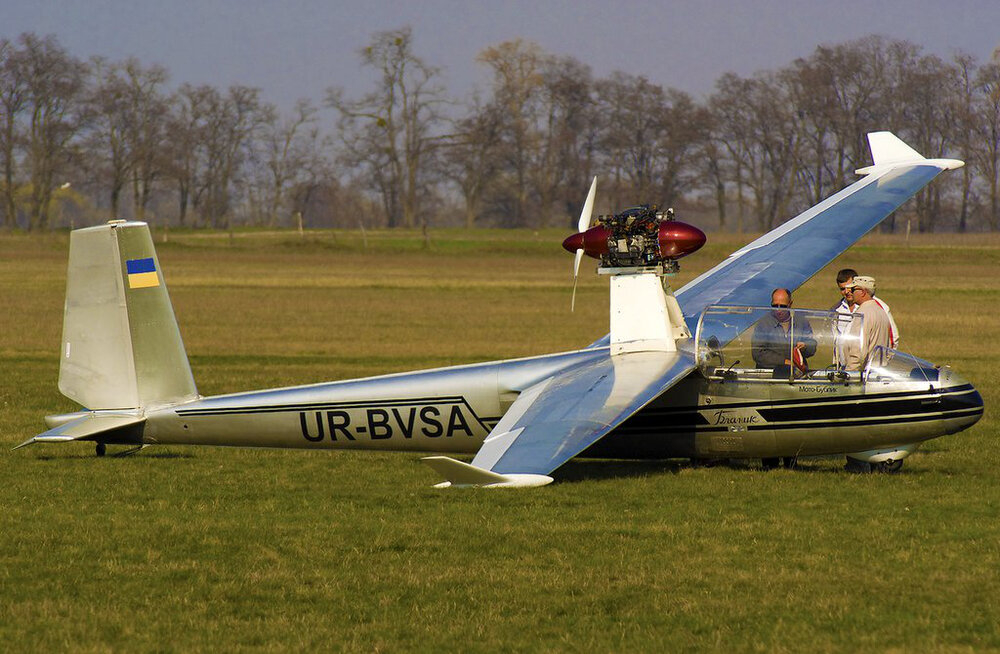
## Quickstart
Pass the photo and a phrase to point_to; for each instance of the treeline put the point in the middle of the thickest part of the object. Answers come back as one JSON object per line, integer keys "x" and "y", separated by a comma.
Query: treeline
{"x": 85, "y": 141}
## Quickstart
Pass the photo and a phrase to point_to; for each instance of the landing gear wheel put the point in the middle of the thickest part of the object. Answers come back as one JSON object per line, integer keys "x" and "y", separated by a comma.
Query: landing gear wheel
{"x": 888, "y": 467}
{"x": 102, "y": 449}
{"x": 770, "y": 463}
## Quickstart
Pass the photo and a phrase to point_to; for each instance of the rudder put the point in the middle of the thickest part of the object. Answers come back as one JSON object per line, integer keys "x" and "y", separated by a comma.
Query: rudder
{"x": 121, "y": 347}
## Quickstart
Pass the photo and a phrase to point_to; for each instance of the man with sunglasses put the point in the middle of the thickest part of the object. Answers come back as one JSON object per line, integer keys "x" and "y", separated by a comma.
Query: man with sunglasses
{"x": 776, "y": 343}
{"x": 872, "y": 332}
{"x": 847, "y": 306}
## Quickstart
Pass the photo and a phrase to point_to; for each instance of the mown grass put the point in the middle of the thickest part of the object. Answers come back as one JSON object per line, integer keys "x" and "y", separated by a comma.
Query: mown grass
{"x": 226, "y": 549}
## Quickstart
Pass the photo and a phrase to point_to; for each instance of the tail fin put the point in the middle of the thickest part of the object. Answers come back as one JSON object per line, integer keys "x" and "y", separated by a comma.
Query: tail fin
{"x": 121, "y": 347}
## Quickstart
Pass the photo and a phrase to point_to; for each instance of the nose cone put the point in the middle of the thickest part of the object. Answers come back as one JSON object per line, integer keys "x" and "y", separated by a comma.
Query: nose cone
{"x": 961, "y": 403}
{"x": 574, "y": 242}
{"x": 593, "y": 242}
{"x": 679, "y": 239}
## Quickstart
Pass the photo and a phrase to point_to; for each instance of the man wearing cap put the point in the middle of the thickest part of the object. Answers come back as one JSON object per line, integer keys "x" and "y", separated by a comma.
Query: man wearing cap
{"x": 870, "y": 333}
{"x": 847, "y": 306}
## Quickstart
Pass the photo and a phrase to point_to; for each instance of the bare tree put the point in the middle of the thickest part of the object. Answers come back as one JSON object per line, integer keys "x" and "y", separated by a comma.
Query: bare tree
{"x": 148, "y": 110}
{"x": 987, "y": 153}
{"x": 314, "y": 177}
{"x": 54, "y": 82}
{"x": 927, "y": 90}
{"x": 106, "y": 141}
{"x": 229, "y": 125}
{"x": 714, "y": 165}
{"x": 13, "y": 96}
{"x": 283, "y": 156}
{"x": 389, "y": 134}
{"x": 964, "y": 102}
{"x": 518, "y": 81}
{"x": 567, "y": 140}
{"x": 649, "y": 134}
{"x": 185, "y": 122}
{"x": 470, "y": 156}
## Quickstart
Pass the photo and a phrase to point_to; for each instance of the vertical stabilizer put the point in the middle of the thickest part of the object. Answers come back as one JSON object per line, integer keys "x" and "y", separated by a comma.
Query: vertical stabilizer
{"x": 121, "y": 347}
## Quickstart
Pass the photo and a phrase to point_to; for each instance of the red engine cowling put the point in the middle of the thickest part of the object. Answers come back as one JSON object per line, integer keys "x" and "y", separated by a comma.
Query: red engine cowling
{"x": 676, "y": 240}
{"x": 679, "y": 239}
{"x": 593, "y": 242}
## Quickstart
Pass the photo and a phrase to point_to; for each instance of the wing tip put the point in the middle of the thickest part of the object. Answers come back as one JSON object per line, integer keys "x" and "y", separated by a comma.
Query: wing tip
{"x": 890, "y": 151}
{"x": 24, "y": 444}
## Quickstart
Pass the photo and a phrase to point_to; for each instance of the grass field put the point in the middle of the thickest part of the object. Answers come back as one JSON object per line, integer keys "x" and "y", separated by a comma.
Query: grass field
{"x": 227, "y": 549}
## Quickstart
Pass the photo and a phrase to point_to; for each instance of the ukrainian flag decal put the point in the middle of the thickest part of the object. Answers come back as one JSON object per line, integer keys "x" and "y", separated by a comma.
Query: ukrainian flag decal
{"x": 142, "y": 273}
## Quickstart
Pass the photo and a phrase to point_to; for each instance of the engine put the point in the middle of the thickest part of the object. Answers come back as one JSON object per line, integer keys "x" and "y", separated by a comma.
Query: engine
{"x": 633, "y": 237}
{"x": 639, "y": 237}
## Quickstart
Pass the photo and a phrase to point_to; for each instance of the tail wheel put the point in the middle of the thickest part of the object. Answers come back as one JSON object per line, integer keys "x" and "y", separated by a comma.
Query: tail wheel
{"x": 102, "y": 449}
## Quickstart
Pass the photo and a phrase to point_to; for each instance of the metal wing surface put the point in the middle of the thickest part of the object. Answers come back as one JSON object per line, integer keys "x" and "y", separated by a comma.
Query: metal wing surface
{"x": 791, "y": 254}
{"x": 559, "y": 417}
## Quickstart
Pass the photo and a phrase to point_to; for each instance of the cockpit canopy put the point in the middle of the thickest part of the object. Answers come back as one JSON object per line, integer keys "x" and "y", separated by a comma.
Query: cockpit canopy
{"x": 785, "y": 344}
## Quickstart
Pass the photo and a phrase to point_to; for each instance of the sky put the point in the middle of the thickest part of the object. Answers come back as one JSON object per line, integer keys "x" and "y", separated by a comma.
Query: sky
{"x": 299, "y": 48}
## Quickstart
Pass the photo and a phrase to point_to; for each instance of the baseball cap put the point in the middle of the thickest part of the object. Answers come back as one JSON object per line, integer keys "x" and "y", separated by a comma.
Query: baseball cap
{"x": 865, "y": 282}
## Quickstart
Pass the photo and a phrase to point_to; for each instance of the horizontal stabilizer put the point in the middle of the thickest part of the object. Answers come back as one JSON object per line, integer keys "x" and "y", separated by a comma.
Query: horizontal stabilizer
{"x": 462, "y": 475}
{"x": 125, "y": 428}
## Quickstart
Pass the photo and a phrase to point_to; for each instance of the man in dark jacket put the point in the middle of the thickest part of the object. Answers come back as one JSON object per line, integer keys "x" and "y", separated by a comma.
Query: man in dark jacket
{"x": 772, "y": 342}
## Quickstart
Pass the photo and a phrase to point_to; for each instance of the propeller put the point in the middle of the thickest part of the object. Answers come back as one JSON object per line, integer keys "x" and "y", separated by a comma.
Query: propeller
{"x": 588, "y": 208}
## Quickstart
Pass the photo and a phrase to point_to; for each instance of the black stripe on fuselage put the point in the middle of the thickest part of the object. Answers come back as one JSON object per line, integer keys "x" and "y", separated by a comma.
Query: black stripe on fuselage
{"x": 319, "y": 406}
{"x": 883, "y": 408}
{"x": 852, "y": 422}
{"x": 868, "y": 408}
{"x": 866, "y": 422}
{"x": 339, "y": 406}
{"x": 810, "y": 401}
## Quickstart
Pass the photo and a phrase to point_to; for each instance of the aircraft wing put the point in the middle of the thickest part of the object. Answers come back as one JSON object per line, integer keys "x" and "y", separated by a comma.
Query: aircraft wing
{"x": 560, "y": 416}
{"x": 791, "y": 254}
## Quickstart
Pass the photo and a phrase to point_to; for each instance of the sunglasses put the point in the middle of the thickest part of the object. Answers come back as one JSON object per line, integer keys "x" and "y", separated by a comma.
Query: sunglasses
{"x": 781, "y": 306}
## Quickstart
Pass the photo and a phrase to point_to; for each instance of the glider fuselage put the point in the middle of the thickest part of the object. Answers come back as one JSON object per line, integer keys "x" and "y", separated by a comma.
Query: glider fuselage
{"x": 707, "y": 415}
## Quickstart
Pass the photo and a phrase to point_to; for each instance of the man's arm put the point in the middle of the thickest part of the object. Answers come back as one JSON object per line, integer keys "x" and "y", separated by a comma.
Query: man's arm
{"x": 854, "y": 349}
{"x": 806, "y": 338}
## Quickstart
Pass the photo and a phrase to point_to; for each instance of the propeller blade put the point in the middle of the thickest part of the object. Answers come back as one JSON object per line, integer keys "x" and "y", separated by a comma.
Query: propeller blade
{"x": 576, "y": 276}
{"x": 584, "y": 224}
{"x": 588, "y": 208}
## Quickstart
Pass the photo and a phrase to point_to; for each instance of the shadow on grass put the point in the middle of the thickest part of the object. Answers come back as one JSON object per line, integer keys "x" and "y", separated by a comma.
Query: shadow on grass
{"x": 578, "y": 470}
